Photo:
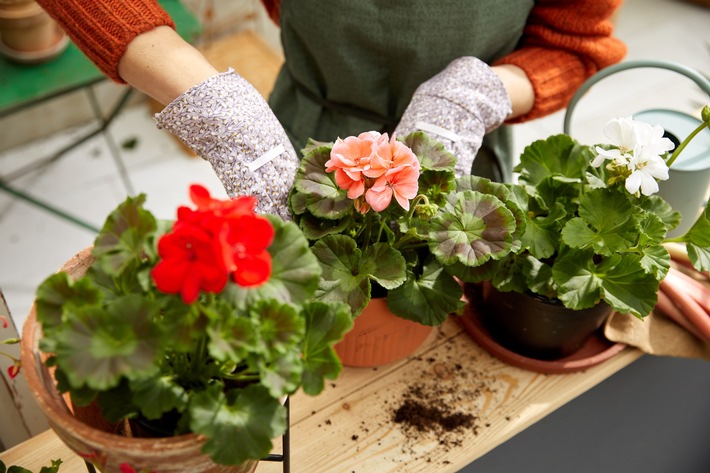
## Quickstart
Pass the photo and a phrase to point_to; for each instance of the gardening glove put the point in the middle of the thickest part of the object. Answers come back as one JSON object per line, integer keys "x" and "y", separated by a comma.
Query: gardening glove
{"x": 228, "y": 123}
{"x": 458, "y": 106}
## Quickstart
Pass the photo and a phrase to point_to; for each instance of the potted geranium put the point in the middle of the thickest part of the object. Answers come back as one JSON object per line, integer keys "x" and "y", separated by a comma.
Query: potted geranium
{"x": 391, "y": 225}
{"x": 593, "y": 240}
{"x": 193, "y": 331}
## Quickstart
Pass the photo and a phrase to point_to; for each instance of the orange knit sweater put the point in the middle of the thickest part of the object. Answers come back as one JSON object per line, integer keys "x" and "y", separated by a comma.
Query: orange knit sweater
{"x": 564, "y": 42}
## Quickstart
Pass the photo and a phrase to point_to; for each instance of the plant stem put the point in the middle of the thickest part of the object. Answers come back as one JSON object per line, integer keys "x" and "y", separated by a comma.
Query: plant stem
{"x": 685, "y": 142}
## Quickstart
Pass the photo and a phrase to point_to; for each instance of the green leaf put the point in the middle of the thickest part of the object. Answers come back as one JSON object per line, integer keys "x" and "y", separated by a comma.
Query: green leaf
{"x": 280, "y": 327}
{"x": 697, "y": 241}
{"x": 579, "y": 286}
{"x": 347, "y": 270}
{"x": 325, "y": 325}
{"x": 323, "y": 196}
{"x": 282, "y": 375}
{"x": 233, "y": 338}
{"x": 58, "y": 293}
{"x": 430, "y": 153}
{"x": 429, "y": 298}
{"x": 619, "y": 279}
{"x": 295, "y": 272}
{"x": 123, "y": 237}
{"x": 101, "y": 345}
{"x": 158, "y": 395}
{"x": 249, "y": 415}
{"x": 480, "y": 228}
{"x": 654, "y": 256}
{"x": 606, "y": 224}
{"x": 557, "y": 155}
{"x": 542, "y": 233}
{"x": 315, "y": 228}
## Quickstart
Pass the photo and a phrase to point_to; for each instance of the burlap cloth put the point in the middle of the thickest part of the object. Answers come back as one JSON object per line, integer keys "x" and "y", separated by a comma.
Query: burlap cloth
{"x": 656, "y": 334}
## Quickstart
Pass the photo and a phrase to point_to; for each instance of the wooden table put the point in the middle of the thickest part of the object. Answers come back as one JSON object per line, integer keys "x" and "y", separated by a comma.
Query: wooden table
{"x": 349, "y": 427}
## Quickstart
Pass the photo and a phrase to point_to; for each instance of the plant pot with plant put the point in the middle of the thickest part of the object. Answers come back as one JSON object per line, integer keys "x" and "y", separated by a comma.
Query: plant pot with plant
{"x": 593, "y": 234}
{"x": 192, "y": 331}
{"x": 392, "y": 227}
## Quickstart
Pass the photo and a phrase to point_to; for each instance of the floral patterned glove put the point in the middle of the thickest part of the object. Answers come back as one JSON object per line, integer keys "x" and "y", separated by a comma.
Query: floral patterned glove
{"x": 227, "y": 122}
{"x": 458, "y": 106}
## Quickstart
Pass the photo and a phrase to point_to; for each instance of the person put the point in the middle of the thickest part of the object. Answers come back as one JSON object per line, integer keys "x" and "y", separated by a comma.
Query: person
{"x": 458, "y": 69}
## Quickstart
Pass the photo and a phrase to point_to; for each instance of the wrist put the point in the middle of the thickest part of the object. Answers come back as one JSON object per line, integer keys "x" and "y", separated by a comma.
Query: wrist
{"x": 162, "y": 65}
{"x": 519, "y": 89}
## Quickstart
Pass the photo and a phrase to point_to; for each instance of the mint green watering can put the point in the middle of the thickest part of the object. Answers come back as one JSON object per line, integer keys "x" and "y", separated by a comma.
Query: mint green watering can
{"x": 688, "y": 188}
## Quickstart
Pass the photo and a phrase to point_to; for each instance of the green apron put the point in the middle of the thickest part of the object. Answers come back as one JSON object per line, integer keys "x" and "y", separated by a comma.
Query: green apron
{"x": 353, "y": 65}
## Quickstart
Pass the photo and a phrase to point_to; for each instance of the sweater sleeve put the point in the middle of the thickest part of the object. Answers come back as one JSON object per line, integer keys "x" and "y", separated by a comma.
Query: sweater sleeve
{"x": 102, "y": 29}
{"x": 564, "y": 43}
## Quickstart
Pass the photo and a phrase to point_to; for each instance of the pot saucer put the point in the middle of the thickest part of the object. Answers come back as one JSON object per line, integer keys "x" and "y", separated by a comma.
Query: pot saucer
{"x": 596, "y": 350}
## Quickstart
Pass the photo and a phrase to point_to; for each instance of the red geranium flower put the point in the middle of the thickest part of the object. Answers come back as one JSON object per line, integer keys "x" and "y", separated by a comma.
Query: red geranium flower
{"x": 191, "y": 261}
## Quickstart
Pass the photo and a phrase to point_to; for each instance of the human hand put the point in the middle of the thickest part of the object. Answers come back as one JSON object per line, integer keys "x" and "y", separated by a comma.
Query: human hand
{"x": 459, "y": 105}
{"x": 228, "y": 123}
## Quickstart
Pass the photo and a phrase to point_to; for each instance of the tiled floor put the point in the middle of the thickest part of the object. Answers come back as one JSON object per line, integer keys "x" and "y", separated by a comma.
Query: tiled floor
{"x": 34, "y": 243}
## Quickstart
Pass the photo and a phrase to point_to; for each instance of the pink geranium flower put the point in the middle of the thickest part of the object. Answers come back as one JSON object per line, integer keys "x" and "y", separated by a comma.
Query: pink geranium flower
{"x": 377, "y": 166}
{"x": 402, "y": 183}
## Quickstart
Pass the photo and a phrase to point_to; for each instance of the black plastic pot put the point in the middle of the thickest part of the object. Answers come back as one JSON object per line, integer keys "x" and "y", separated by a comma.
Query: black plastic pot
{"x": 538, "y": 327}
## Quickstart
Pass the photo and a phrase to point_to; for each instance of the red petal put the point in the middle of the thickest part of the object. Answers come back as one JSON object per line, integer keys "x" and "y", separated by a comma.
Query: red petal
{"x": 253, "y": 270}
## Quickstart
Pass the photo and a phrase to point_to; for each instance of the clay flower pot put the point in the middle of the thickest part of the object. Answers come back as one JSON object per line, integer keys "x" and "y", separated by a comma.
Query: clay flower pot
{"x": 379, "y": 337}
{"x": 28, "y": 34}
{"x": 538, "y": 327}
{"x": 86, "y": 432}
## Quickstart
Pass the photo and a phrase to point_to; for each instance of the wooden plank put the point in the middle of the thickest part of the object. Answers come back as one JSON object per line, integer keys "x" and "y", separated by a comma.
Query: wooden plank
{"x": 350, "y": 427}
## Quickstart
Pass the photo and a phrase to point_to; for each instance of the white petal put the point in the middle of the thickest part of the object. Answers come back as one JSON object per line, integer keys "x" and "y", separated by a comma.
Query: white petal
{"x": 649, "y": 185}
{"x": 633, "y": 182}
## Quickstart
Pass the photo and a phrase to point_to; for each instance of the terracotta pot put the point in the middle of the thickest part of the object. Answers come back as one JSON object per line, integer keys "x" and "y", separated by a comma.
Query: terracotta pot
{"x": 85, "y": 431}
{"x": 539, "y": 327}
{"x": 28, "y": 34}
{"x": 379, "y": 337}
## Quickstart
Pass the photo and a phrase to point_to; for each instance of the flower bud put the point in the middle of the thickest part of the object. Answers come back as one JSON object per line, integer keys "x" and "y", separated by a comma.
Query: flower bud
{"x": 705, "y": 115}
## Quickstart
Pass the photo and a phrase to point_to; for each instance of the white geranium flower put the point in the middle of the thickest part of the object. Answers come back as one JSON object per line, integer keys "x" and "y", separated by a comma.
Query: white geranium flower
{"x": 646, "y": 168}
{"x": 650, "y": 139}
{"x": 622, "y": 134}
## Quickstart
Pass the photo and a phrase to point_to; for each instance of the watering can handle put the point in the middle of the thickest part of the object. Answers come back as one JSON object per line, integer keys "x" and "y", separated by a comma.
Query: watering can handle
{"x": 698, "y": 78}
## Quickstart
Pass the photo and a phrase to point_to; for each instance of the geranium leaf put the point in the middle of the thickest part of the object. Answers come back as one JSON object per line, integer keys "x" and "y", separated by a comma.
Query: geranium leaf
{"x": 655, "y": 204}
{"x": 626, "y": 286}
{"x": 428, "y": 299}
{"x": 250, "y": 415}
{"x": 158, "y": 395}
{"x": 325, "y": 325}
{"x": 312, "y": 178}
{"x": 282, "y": 375}
{"x": 341, "y": 281}
{"x": 279, "y": 326}
{"x": 579, "y": 287}
{"x": 480, "y": 228}
{"x": 101, "y": 345}
{"x": 315, "y": 228}
{"x": 483, "y": 185}
{"x": 384, "y": 264}
{"x": 697, "y": 241}
{"x": 347, "y": 270}
{"x": 295, "y": 272}
{"x": 557, "y": 155}
{"x": 124, "y": 234}
{"x": 430, "y": 153}
{"x": 654, "y": 256}
{"x": 542, "y": 233}
{"x": 58, "y": 293}
{"x": 606, "y": 223}
{"x": 231, "y": 338}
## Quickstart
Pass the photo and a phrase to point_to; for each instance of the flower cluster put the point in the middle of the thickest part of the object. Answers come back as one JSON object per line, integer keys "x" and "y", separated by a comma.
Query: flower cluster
{"x": 209, "y": 243}
{"x": 377, "y": 167}
{"x": 194, "y": 324}
{"x": 636, "y": 154}
{"x": 409, "y": 252}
